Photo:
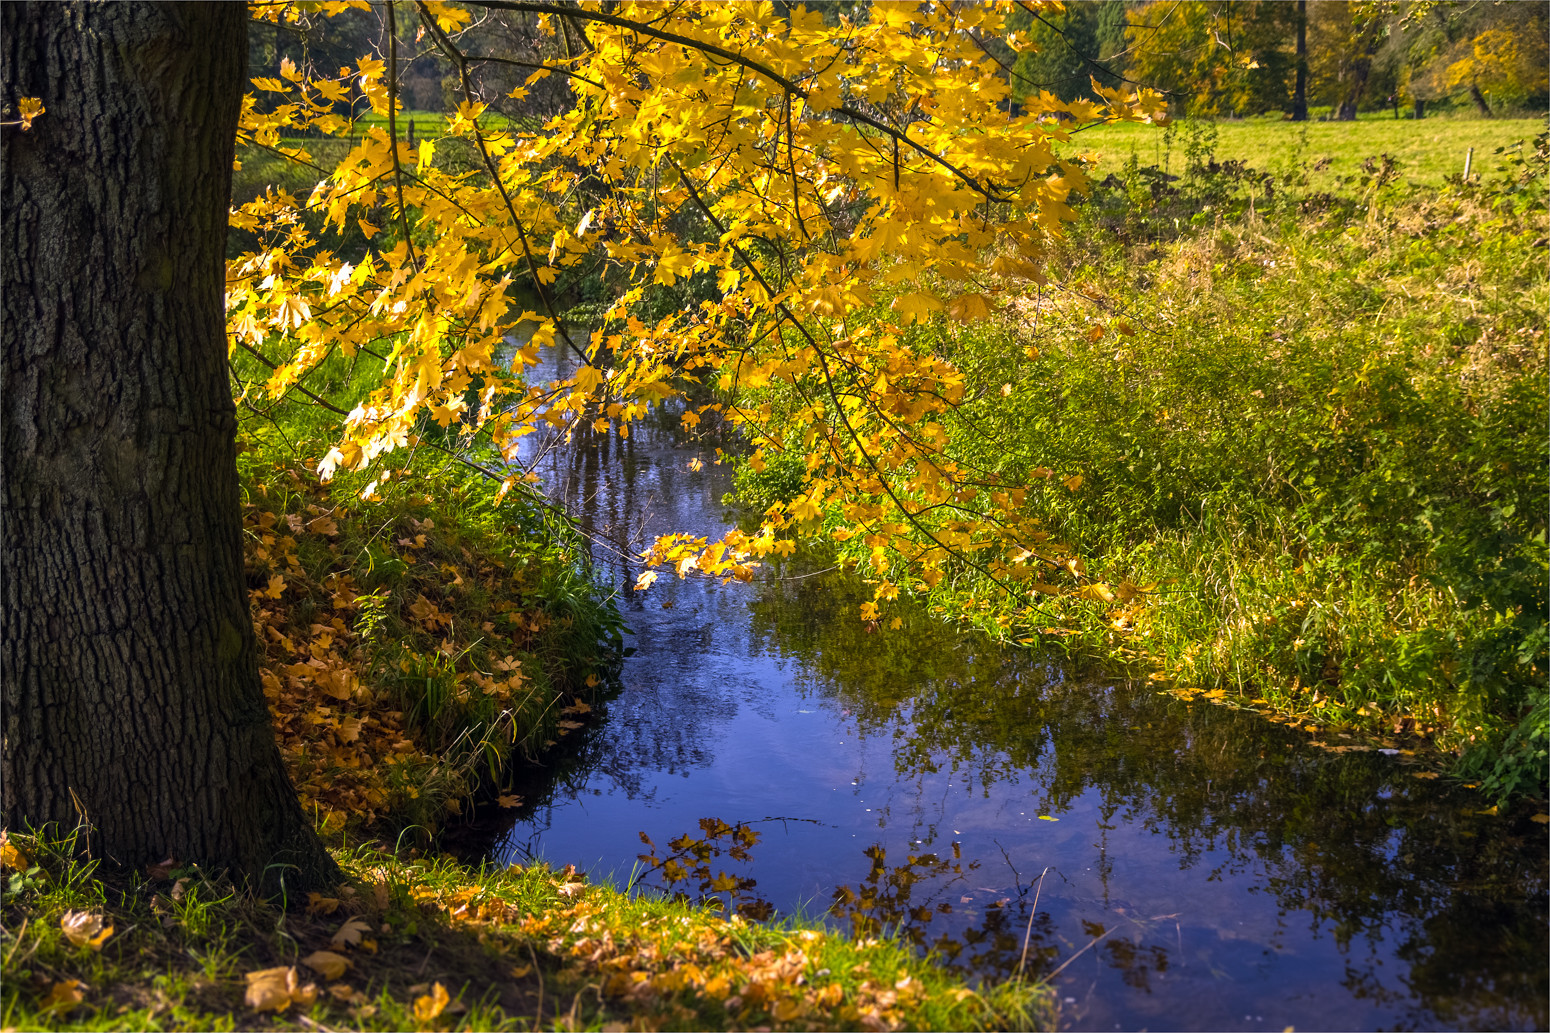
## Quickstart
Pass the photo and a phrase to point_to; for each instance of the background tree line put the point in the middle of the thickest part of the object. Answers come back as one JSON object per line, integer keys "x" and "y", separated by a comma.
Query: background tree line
{"x": 1214, "y": 58}
{"x": 1217, "y": 58}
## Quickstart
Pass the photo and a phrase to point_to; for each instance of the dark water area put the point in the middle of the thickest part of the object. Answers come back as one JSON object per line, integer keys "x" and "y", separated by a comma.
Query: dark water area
{"x": 1202, "y": 868}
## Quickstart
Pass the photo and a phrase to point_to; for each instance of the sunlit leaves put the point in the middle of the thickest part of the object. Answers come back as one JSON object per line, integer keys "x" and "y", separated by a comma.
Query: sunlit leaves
{"x": 792, "y": 172}
{"x": 276, "y": 989}
{"x": 85, "y": 929}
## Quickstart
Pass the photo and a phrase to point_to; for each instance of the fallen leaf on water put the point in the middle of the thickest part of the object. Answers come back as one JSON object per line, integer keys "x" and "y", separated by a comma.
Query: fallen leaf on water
{"x": 349, "y": 934}
{"x": 85, "y": 929}
{"x": 509, "y": 800}
{"x": 327, "y": 964}
{"x": 430, "y": 1005}
{"x": 1046, "y": 817}
{"x": 64, "y": 995}
{"x": 1543, "y": 819}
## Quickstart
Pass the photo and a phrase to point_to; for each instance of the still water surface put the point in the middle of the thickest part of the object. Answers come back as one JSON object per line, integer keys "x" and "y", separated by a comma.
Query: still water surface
{"x": 1231, "y": 876}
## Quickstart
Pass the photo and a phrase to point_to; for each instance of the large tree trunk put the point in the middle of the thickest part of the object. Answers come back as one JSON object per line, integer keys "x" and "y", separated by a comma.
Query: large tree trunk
{"x": 1300, "y": 88}
{"x": 1360, "y": 69}
{"x": 1479, "y": 99}
{"x": 130, "y": 672}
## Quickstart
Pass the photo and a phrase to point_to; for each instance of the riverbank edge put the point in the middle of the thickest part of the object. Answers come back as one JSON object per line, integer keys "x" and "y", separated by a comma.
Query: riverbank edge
{"x": 343, "y": 597}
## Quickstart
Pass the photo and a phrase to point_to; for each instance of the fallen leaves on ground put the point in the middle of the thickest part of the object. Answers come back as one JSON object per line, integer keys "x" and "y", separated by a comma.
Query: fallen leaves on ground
{"x": 352, "y": 752}
{"x": 275, "y": 989}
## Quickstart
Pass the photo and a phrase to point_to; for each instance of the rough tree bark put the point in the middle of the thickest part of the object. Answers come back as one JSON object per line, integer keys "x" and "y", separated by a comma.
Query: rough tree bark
{"x": 128, "y": 661}
{"x": 1300, "y": 88}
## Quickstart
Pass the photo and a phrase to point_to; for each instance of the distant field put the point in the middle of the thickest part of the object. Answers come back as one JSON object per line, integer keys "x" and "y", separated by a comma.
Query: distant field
{"x": 1428, "y": 150}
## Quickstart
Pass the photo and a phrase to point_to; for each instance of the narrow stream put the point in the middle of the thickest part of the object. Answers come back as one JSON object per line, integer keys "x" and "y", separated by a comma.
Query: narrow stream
{"x": 1204, "y": 868}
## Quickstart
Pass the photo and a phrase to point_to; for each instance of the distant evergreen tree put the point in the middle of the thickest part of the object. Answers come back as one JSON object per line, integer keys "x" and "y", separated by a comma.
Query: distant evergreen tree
{"x": 1074, "y": 46}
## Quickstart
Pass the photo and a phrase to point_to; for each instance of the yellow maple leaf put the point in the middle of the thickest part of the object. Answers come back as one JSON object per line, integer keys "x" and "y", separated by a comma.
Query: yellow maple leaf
{"x": 327, "y": 964}
{"x": 349, "y": 933}
{"x": 64, "y": 995}
{"x": 27, "y": 109}
{"x": 275, "y": 989}
{"x": 428, "y": 1006}
{"x": 85, "y": 929}
{"x": 13, "y": 856}
{"x": 916, "y": 307}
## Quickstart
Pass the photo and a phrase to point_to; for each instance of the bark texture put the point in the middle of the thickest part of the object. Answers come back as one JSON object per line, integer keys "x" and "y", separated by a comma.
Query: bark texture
{"x": 1300, "y": 88}
{"x": 128, "y": 662}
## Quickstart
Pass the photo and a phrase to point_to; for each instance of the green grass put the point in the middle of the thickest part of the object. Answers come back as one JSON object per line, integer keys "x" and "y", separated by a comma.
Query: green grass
{"x": 1429, "y": 150}
{"x": 510, "y": 947}
{"x": 1311, "y": 436}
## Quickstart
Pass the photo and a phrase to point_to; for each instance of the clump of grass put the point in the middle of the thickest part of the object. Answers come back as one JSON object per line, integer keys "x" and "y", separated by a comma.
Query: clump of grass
{"x": 432, "y": 944}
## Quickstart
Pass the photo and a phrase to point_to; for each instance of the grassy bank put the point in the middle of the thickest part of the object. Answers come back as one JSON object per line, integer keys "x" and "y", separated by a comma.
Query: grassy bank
{"x": 415, "y": 648}
{"x": 435, "y": 945}
{"x": 1309, "y": 440}
{"x": 1429, "y": 151}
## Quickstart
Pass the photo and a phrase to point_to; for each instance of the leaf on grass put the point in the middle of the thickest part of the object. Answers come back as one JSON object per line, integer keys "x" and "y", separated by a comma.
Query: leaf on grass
{"x": 85, "y": 929}
{"x": 1097, "y": 592}
{"x": 327, "y": 964}
{"x": 428, "y": 1006}
{"x": 317, "y": 904}
{"x": 275, "y": 989}
{"x": 346, "y": 993}
{"x": 13, "y": 856}
{"x": 349, "y": 934}
{"x": 64, "y": 995}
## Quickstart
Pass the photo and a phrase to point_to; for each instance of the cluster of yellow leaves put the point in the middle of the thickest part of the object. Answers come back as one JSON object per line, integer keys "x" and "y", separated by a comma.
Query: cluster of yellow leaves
{"x": 810, "y": 170}
{"x": 27, "y": 109}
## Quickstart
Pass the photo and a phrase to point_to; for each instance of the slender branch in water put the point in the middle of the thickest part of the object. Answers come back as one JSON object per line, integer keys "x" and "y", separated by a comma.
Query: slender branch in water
{"x": 1027, "y": 936}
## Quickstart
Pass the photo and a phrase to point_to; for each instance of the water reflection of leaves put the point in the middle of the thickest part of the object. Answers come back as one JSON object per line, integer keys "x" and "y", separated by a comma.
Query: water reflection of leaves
{"x": 884, "y": 900}
{"x": 691, "y": 862}
{"x": 1403, "y": 868}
